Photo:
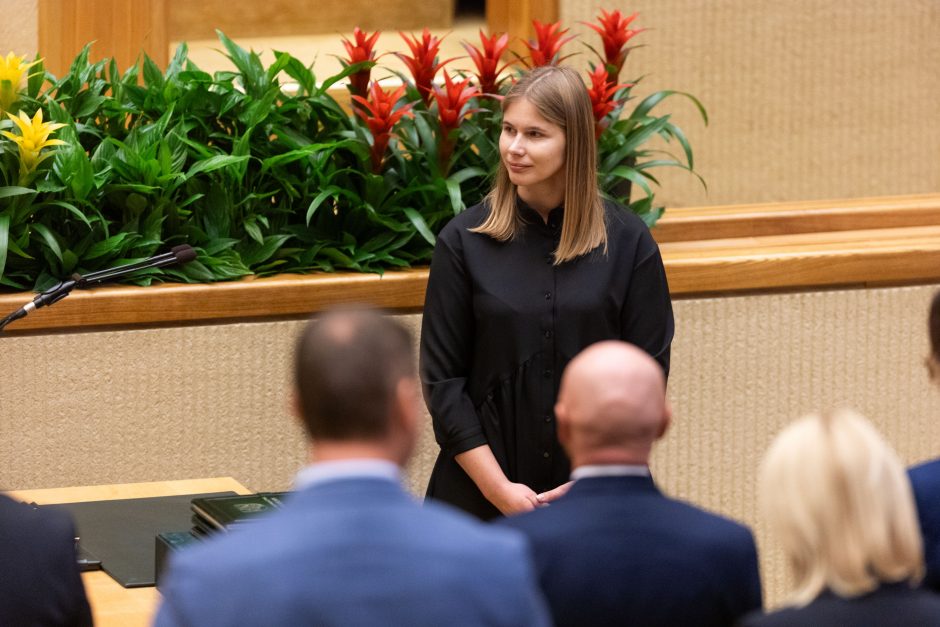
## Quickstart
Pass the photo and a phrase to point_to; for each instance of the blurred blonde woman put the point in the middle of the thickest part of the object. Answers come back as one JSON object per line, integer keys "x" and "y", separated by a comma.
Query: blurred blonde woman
{"x": 839, "y": 500}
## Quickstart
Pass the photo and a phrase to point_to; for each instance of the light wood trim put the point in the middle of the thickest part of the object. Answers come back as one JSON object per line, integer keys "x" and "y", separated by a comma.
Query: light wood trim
{"x": 111, "y": 604}
{"x": 515, "y": 17}
{"x": 190, "y": 20}
{"x": 808, "y": 260}
{"x": 893, "y": 254}
{"x": 120, "y": 29}
{"x": 724, "y": 221}
{"x": 113, "y": 492}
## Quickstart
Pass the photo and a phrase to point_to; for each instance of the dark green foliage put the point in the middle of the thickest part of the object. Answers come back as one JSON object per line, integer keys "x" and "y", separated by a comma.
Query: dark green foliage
{"x": 260, "y": 170}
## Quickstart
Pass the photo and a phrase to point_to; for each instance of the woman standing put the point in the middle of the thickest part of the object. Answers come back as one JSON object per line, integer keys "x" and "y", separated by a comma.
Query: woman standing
{"x": 838, "y": 499}
{"x": 519, "y": 285}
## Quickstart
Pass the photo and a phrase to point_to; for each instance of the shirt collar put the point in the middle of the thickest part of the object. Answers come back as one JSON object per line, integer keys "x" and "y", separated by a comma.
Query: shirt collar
{"x": 610, "y": 470}
{"x": 531, "y": 216}
{"x": 323, "y": 472}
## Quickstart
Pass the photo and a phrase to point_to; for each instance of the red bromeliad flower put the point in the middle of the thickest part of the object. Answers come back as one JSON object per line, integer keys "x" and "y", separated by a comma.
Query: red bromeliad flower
{"x": 549, "y": 38}
{"x": 423, "y": 63}
{"x": 452, "y": 108}
{"x": 602, "y": 94}
{"x": 487, "y": 61}
{"x": 381, "y": 116}
{"x": 615, "y": 32}
{"x": 362, "y": 50}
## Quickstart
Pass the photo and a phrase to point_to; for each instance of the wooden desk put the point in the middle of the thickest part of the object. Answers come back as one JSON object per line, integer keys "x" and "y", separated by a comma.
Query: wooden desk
{"x": 111, "y": 604}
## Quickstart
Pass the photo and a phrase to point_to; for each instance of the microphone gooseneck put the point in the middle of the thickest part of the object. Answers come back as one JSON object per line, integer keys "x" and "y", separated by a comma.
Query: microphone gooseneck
{"x": 184, "y": 253}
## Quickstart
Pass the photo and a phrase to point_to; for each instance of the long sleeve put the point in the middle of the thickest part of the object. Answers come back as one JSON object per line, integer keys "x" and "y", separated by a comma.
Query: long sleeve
{"x": 647, "y": 313}
{"x": 447, "y": 350}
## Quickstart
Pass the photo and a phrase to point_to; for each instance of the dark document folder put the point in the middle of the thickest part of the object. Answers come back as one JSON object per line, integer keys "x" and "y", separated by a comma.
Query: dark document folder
{"x": 121, "y": 533}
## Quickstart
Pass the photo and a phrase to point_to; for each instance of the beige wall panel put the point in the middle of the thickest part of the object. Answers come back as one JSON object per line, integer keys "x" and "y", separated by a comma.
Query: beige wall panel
{"x": 745, "y": 366}
{"x": 174, "y": 403}
{"x": 808, "y": 99}
{"x": 19, "y": 31}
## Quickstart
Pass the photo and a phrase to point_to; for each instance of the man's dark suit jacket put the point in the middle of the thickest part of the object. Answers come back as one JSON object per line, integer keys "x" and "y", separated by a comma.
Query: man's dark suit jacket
{"x": 897, "y": 605}
{"x": 925, "y": 480}
{"x": 615, "y": 551}
{"x": 39, "y": 579}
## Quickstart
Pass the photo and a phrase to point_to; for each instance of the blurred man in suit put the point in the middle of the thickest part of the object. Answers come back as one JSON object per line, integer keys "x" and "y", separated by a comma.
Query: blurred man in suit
{"x": 614, "y": 550}
{"x": 350, "y": 547}
{"x": 39, "y": 580}
{"x": 925, "y": 478}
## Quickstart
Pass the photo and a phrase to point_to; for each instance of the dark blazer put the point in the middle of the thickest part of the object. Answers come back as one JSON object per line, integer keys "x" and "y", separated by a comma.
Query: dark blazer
{"x": 925, "y": 480}
{"x": 39, "y": 580}
{"x": 615, "y": 551}
{"x": 355, "y": 552}
{"x": 896, "y": 605}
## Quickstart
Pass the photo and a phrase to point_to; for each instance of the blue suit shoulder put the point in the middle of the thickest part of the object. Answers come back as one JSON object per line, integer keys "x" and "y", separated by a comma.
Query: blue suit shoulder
{"x": 925, "y": 481}
{"x": 347, "y": 552}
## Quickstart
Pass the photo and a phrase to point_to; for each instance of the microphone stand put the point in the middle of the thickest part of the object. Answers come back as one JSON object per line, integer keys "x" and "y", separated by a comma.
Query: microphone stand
{"x": 179, "y": 254}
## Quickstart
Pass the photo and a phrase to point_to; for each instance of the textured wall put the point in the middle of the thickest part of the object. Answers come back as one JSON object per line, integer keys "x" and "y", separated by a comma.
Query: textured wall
{"x": 808, "y": 99}
{"x": 19, "y": 27}
{"x": 188, "y": 402}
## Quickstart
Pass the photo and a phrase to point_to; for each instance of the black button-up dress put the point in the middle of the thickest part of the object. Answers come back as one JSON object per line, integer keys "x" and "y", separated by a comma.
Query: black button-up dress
{"x": 501, "y": 322}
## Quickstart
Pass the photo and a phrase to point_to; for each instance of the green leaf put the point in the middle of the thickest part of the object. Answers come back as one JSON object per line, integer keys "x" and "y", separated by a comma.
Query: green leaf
{"x": 633, "y": 176}
{"x": 104, "y": 247}
{"x": 655, "y": 98}
{"x": 51, "y": 242}
{"x": 254, "y": 231}
{"x": 37, "y": 76}
{"x": 420, "y": 224}
{"x": 453, "y": 190}
{"x": 467, "y": 174}
{"x": 73, "y": 210}
{"x": 215, "y": 163}
{"x": 10, "y": 191}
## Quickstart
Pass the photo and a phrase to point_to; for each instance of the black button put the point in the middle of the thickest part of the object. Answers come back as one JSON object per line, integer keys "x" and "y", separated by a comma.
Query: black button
{"x": 548, "y": 374}
{"x": 548, "y": 295}
{"x": 549, "y": 258}
{"x": 548, "y": 417}
{"x": 548, "y": 334}
{"x": 545, "y": 454}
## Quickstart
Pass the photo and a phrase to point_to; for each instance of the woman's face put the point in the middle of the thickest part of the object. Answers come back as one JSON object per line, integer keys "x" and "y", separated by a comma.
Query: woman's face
{"x": 533, "y": 150}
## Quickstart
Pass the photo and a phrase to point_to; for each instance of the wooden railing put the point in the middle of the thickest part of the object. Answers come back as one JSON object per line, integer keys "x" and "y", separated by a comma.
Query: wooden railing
{"x": 706, "y": 250}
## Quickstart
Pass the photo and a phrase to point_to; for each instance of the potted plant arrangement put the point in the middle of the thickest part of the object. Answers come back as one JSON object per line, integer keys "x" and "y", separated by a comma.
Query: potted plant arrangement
{"x": 262, "y": 171}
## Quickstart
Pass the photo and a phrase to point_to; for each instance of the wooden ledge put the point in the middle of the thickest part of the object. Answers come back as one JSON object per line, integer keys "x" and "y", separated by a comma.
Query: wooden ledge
{"x": 727, "y": 221}
{"x": 804, "y": 261}
{"x": 272, "y": 297}
{"x": 880, "y": 241}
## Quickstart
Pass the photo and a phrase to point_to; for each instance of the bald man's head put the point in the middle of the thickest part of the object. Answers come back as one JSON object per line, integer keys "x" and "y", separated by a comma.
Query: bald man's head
{"x": 612, "y": 405}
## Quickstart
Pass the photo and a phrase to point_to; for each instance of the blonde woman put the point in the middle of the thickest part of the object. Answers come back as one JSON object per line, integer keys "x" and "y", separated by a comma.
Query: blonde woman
{"x": 519, "y": 285}
{"x": 925, "y": 478}
{"x": 839, "y": 500}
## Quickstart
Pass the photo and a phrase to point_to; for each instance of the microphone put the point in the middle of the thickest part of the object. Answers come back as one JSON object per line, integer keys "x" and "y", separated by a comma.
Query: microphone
{"x": 181, "y": 254}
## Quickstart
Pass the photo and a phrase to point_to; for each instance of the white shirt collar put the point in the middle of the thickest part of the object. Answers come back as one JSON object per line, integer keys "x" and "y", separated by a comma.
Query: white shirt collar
{"x": 610, "y": 470}
{"x": 322, "y": 472}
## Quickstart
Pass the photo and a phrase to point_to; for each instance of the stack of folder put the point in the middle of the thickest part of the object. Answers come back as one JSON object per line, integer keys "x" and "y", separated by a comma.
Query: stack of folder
{"x": 223, "y": 513}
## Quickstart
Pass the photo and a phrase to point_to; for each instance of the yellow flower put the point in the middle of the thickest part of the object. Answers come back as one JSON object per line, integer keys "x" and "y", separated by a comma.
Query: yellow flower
{"x": 33, "y": 137}
{"x": 12, "y": 70}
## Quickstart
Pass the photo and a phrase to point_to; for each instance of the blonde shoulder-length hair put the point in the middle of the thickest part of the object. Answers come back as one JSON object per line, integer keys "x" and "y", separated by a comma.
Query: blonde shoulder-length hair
{"x": 560, "y": 96}
{"x": 840, "y": 501}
